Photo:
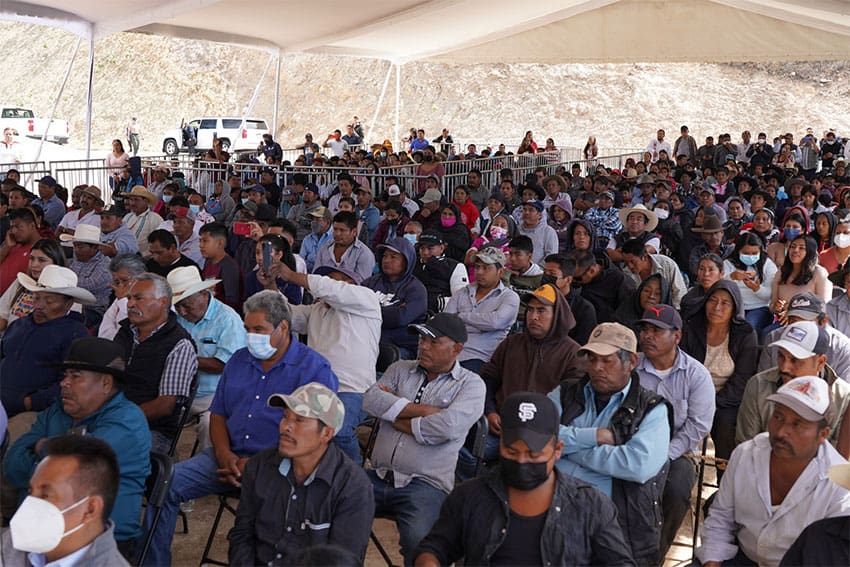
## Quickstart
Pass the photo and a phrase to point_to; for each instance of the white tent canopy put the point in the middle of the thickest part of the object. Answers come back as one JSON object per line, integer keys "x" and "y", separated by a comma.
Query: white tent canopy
{"x": 543, "y": 31}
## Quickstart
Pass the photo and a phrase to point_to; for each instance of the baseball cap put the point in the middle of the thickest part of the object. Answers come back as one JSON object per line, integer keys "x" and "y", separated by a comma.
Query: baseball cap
{"x": 806, "y": 306}
{"x": 530, "y": 417}
{"x": 808, "y": 396}
{"x": 803, "y": 339}
{"x": 394, "y": 191}
{"x": 430, "y": 238}
{"x": 492, "y": 255}
{"x": 326, "y": 270}
{"x": 312, "y": 400}
{"x": 662, "y": 316}
{"x": 608, "y": 338}
{"x": 546, "y": 294}
{"x": 431, "y": 196}
{"x": 441, "y": 325}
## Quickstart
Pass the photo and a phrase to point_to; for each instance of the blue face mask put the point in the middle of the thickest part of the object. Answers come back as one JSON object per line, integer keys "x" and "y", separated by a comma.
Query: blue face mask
{"x": 410, "y": 237}
{"x": 749, "y": 259}
{"x": 195, "y": 208}
{"x": 791, "y": 233}
{"x": 167, "y": 198}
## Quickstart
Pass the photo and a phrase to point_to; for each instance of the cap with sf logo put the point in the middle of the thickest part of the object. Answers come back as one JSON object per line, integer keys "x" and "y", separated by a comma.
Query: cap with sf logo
{"x": 531, "y": 417}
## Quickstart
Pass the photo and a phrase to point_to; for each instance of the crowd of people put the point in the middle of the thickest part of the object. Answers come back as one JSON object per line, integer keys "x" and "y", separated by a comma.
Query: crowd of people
{"x": 603, "y": 322}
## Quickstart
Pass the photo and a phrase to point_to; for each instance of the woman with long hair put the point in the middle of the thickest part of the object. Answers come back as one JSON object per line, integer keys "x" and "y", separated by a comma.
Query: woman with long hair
{"x": 753, "y": 272}
{"x": 17, "y": 301}
{"x": 799, "y": 274}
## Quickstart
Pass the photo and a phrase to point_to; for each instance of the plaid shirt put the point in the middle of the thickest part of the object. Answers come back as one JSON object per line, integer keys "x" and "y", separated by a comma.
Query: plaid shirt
{"x": 180, "y": 366}
{"x": 607, "y": 223}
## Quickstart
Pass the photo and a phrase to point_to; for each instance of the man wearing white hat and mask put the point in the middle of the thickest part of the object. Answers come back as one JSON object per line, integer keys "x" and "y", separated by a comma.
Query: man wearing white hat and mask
{"x": 90, "y": 202}
{"x": 92, "y": 269}
{"x": 777, "y": 482}
{"x": 216, "y": 329}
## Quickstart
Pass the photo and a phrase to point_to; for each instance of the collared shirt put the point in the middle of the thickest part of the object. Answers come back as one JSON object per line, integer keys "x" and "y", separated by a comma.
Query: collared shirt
{"x": 217, "y": 335}
{"x": 180, "y": 366}
{"x": 430, "y": 453}
{"x": 487, "y": 321}
{"x": 638, "y": 460}
{"x": 70, "y": 560}
{"x": 123, "y": 239}
{"x": 689, "y": 389}
{"x": 742, "y": 514}
{"x": 244, "y": 389}
{"x": 356, "y": 257}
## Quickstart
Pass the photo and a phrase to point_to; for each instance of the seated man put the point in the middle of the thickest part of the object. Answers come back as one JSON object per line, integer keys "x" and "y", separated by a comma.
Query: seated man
{"x": 92, "y": 405}
{"x": 640, "y": 264}
{"x": 665, "y": 369}
{"x": 535, "y": 360}
{"x": 162, "y": 359}
{"x": 605, "y": 288}
{"x": 334, "y": 499}
{"x": 802, "y": 351}
{"x": 33, "y": 343}
{"x": 66, "y": 515}
{"x": 403, "y": 297}
{"x": 526, "y": 512}
{"x": 343, "y": 324}
{"x": 440, "y": 275}
{"x": 487, "y": 308}
{"x": 776, "y": 483}
{"x": 616, "y": 436}
{"x": 425, "y": 408}
{"x": 241, "y": 424}
{"x": 216, "y": 330}
{"x": 164, "y": 255}
{"x": 558, "y": 270}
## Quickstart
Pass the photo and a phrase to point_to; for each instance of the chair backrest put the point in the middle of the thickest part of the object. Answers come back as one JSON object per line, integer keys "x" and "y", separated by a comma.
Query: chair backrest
{"x": 387, "y": 354}
{"x": 156, "y": 489}
{"x": 184, "y": 410}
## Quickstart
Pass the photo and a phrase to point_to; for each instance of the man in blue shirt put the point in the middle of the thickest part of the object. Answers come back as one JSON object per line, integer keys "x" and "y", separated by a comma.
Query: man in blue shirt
{"x": 241, "y": 424}
{"x": 217, "y": 331}
{"x": 92, "y": 405}
{"x": 54, "y": 208}
{"x": 616, "y": 436}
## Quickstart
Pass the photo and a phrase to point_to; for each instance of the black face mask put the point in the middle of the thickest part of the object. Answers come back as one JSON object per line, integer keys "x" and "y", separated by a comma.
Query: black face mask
{"x": 549, "y": 279}
{"x": 522, "y": 476}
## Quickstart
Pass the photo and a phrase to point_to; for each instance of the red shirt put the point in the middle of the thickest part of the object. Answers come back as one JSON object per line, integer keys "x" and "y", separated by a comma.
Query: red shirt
{"x": 17, "y": 261}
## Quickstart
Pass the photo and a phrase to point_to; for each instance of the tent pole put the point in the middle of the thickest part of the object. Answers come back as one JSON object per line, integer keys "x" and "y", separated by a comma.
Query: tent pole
{"x": 58, "y": 97}
{"x": 380, "y": 102}
{"x": 397, "y": 101}
{"x": 89, "y": 98}
{"x": 276, "y": 93}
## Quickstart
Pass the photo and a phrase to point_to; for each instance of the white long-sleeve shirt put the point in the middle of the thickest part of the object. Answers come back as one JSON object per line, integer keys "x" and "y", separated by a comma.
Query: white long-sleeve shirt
{"x": 344, "y": 326}
{"x": 742, "y": 507}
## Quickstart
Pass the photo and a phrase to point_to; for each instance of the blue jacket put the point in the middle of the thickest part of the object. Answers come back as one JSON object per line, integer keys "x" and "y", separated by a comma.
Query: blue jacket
{"x": 404, "y": 301}
{"x": 123, "y": 426}
{"x": 26, "y": 354}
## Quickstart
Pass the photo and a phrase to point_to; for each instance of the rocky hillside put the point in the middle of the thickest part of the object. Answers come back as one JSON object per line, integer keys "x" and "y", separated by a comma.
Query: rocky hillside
{"x": 162, "y": 80}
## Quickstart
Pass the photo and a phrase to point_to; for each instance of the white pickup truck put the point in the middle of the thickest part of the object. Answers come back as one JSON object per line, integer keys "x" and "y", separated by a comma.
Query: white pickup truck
{"x": 24, "y": 122}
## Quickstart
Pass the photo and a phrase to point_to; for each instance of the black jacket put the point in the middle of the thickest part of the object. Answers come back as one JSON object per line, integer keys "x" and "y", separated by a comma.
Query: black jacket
{"x": 581, "y": 526}
{"x": 743, "y": 347}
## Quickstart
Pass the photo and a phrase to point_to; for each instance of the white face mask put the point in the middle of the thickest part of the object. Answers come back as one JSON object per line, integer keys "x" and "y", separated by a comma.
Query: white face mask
{"x": 260, "y": 346}
{"x": 842, "y": 240}
{"x": 39, "y": 526}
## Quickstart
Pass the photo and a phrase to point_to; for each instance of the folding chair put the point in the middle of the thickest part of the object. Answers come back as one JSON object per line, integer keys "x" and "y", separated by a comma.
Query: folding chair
{"x": 475, "y": 442}
{"x": 224, "y": 503}
{"x": 156, "y": 489}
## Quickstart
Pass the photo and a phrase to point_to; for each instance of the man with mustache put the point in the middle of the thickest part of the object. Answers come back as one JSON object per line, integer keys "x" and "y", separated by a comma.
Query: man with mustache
{"x": 776, "y": 483}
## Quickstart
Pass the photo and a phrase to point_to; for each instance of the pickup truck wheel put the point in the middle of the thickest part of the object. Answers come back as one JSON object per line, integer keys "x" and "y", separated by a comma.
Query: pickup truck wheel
{"x": 170, "y": 147}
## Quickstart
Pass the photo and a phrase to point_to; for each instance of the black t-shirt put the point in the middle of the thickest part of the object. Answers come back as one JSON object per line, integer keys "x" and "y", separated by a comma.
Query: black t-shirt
{"x": 521, "y": 545}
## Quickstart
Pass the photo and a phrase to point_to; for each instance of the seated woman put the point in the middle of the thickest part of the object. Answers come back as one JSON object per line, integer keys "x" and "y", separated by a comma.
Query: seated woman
{"x": 719, "y": 336}
{"x": 800, "y": 273}
{"x": 795, "y": 223}
{"x": 835, "y": 256}
{"x": 257, "y": 280}
{"x": 753, "y": 272}
{"x": 709, "y": 272}
{"x": 651, "y": 291}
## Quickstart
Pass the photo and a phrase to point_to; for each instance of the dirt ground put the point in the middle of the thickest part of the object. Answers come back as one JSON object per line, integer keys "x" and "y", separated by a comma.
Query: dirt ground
{"x": 187, "y": 549}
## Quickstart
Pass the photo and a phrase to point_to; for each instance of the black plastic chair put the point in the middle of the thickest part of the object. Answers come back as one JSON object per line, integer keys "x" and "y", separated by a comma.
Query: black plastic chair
{"x": 156, "y": 489}
{"x": 475, "y": 442}
{"x": 224, "y": 503}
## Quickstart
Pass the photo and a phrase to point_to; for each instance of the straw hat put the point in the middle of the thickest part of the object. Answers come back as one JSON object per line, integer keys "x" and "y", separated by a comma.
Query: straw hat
{"x": 186, "y": 281}
{"x": 651, "y": 217}
{"x": 85, "y": 233}
{"x": 142, "y": 191}
{"x": 56, "y": 279}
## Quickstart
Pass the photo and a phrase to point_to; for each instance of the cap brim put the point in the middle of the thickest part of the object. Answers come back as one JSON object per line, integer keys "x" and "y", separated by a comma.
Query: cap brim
{"x": 794, "y": 348}
{"x": 535, "y": 440}
{"x": 796, "y": 405}
{"x": 602, "y": 349}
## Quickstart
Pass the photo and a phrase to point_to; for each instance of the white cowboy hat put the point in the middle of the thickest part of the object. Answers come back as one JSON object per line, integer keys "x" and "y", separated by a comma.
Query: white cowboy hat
{"x": 186, "y": 281}
{"x": 56, "y": 279}
{"x": 840, "y": 475}
{"x": 86, "y": 233}
{"x": 651, "y": 217}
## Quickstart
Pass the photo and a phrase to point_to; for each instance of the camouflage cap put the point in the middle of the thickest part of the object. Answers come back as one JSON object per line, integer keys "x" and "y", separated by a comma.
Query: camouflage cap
{"x": 313, "y": 400}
